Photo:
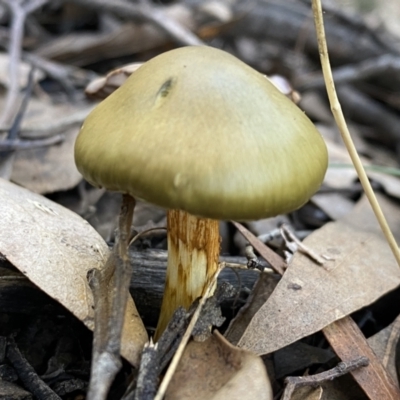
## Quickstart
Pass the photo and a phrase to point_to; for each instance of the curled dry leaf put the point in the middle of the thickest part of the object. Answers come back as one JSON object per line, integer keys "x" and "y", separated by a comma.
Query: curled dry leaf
{"x": 359, "y": 269}
{"x": 216, "y": 370}
{"x": 55, "y": 249}
{"x": 102, "y": 87}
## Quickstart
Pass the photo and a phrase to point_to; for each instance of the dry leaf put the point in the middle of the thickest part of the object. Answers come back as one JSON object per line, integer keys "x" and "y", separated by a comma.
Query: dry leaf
{"x": 55, "y": 249}
{"x": 308, "y": 393}
{"x": 263, "y": 288}
{"x": 102, "y": 87}
{"x": 363, "y": 218}
{"x": 48, "y": 169}
{"x": 333, "y": 204}
{"x": 341, "y": 178}
{"x": 360, "y": 268}
{"x": 342, "y": 388}
{"x": 216, "y": 370}
{"x": 51, "y": 168}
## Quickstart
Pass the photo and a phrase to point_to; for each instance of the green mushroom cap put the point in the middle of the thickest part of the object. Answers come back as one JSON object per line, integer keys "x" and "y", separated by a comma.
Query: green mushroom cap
{"x": 198, "y": 130}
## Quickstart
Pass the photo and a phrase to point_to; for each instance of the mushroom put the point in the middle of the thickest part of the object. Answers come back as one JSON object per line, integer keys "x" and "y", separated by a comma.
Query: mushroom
{"x": 200, "y": 133}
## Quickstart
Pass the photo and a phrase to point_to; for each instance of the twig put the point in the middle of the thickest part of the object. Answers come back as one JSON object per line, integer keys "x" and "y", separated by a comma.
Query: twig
{"x": 276, "y": 262}
{"x": 287, "y": 234}
{"x": 16, "y": 125}
{"x": 66, "y": 75}
{"x": 50, "y": 128}
{"x": 179, "y": 352}
{"x": 344, "y": 131}
{"x": 269, "y": 236}
{"x": 295, "y": 382}
{"x": 17, "y": 144}
{"x": 27, "y": 374}
{"x": 145, "y": 233}
{"x": 252, "y": 260}
{"x": 148, "y": 373}
{"x": 354, "y": 72}
{"x": 20, "y": 9}
{"x": 98, "y": 282}
{"x": 145, "y": 12}
{"x": 106, "y": 360}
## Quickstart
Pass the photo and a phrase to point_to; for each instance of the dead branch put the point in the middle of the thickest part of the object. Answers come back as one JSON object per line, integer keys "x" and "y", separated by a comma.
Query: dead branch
{"x": 147, "y": 13}
{"x": 67, "y": 75}
{"x": 19, "y": 9}
{"x": 388, "y": 64}
{"x": 27, "y": 374}
{"x": 7, "y": 145}
{"x": 369, "y": 112}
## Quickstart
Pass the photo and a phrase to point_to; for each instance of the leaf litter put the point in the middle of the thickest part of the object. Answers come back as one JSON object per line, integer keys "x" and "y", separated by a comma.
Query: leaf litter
{"x": 359, "y": 269}
{"x": 55, "y": 249}
{"x": 40, "y": 178}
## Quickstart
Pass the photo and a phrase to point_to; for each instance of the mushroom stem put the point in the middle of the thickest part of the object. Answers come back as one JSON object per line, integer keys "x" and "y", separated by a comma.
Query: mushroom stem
{"x": 193, "y": 253}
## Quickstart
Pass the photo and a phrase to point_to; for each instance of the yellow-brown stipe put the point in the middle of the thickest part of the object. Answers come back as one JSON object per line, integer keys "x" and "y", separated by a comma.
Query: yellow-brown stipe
{"x": 193, "y": 252}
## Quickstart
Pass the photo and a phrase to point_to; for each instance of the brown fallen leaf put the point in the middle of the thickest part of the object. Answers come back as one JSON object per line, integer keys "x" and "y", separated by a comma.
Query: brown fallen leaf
{"x": 359, "y": 269}
{"x": 55, "y": 248}
{"x": 216, "y": 370}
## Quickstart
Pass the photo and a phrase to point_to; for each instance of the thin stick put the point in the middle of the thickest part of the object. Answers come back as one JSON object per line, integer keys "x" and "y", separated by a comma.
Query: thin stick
{"x": 28, "y": 375}
{"x": 106, "y": 361}
{"x": 295, "y": 382}
{"x": 123, "y": 274}
{"x": 185, "y": 338}
{"x": 7, "y": 145}
{"x": 344, "y": 131}
{"x": 19, "y": 12}
{"x": 145, "y": 233}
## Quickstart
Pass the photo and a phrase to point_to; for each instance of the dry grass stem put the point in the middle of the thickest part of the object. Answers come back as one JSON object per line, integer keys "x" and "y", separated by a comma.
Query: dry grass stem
{"x": 179, "y": 352}
{"x": 344, "y": 131}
